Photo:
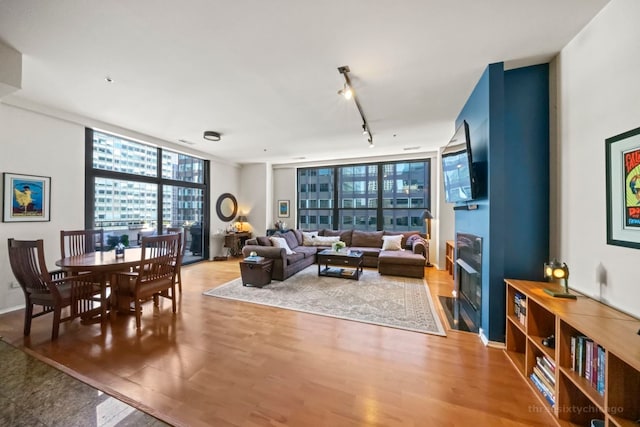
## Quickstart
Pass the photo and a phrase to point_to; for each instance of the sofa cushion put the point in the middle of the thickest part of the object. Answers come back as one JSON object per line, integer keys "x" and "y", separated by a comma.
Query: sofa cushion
{"x": 264, "y": 241}
{"x": 307, "y": 251}
{"x": 345, "y": 235}
{"x": 294, "y": 257}
{"x": 280, "y": 242}
{"x": 371, "y": 239}
{"x": 291, "y": 239}
{"x": 299, "y": 236}
{"x": 392, "y": 243}
{"x": 400, "y": 258}
{"x": 367, "y": 251}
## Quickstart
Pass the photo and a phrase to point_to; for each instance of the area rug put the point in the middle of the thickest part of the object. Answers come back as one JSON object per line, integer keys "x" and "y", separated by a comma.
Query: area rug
{"x": 397, "y": 302}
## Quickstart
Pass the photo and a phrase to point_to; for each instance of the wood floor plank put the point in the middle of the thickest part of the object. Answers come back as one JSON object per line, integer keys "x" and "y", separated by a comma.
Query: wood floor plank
{"x": 227, "y": 363}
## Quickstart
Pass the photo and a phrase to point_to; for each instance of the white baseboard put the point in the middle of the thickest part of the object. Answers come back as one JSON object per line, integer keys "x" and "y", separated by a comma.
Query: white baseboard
{"x": 492, "y": 344}
{"x": 10, "y": 309}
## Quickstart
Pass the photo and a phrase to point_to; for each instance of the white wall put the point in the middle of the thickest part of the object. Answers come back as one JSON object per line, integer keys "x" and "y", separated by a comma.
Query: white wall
{"x": 284, "y": 188}
{"x": 256, "y": 196}
{"x": 39, "y": 145}
{"x": 598, "y": 97}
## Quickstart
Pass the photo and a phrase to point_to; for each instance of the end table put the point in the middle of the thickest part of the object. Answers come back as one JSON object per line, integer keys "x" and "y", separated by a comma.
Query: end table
{"x": 256, "y": 274}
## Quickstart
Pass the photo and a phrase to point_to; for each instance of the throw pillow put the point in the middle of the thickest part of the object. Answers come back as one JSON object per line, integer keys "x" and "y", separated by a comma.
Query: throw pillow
{"x": 308, "y": 237}
{"x": 392, "y": 243}
{"x": 325, "y": 240}
{"x": 280, "y": 242}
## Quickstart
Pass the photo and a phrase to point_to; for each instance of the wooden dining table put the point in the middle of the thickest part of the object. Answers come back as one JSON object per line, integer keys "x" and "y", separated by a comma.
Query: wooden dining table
{"x": 107, "y": 266}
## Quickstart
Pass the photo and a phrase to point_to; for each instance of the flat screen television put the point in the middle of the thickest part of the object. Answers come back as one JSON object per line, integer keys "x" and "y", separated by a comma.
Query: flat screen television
{"x": 457, "y": 167}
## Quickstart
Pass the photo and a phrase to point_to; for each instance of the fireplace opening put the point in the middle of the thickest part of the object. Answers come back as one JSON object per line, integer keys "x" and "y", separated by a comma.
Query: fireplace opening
{"x": 464, "y": 308}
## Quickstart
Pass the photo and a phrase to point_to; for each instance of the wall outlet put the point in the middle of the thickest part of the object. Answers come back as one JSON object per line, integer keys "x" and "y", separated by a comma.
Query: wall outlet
{"x": 14, "y": 285}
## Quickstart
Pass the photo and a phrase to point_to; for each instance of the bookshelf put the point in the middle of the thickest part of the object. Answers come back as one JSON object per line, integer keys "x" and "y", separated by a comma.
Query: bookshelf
{"x": 589, "y": 336}
{"x": 450, "y": 256}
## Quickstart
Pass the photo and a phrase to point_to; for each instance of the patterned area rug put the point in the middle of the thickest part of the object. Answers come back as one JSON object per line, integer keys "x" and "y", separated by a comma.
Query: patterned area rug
{"x": 398, "y": 302}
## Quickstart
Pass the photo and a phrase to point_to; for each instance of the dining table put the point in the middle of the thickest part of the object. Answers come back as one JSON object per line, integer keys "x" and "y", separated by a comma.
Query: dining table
{"x": 107, "y": 266}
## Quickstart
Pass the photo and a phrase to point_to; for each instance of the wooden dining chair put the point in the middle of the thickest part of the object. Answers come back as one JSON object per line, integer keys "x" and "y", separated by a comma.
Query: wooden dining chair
{"x": 78, "y": 242}
{"x": 52, "y": 290}
{"x": 154, "y": 276}
{"x": 179, "y": 230}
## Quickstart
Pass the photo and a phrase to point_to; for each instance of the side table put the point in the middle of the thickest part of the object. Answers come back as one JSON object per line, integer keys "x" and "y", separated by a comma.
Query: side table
{"x": 256, "y": 273}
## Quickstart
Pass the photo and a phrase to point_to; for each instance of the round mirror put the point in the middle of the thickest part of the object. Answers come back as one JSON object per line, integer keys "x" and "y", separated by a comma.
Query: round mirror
{"x": 227, "y": 207}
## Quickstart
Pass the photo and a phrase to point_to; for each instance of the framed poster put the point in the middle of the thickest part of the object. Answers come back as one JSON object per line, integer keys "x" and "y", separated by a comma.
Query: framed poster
{"x": 27, "y": 198}
{"x": 623, "y": 189}
{"x": 283, "y": 209}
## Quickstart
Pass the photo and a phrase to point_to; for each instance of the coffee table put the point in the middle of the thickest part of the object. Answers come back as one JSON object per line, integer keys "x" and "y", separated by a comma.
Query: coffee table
{"x": 345, "y": 265}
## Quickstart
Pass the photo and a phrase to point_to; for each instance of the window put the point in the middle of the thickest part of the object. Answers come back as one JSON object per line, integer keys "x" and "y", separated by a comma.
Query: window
{"x": 133, "y": 187}
{"x": 380, "y": 196}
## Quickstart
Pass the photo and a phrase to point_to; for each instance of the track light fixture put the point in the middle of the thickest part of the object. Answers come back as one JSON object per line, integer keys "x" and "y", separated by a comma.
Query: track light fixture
{"x": 348, "y": 93}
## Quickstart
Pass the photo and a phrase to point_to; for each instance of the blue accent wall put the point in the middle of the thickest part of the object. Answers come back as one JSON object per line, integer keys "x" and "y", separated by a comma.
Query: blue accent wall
{"x": 508, "y": 117}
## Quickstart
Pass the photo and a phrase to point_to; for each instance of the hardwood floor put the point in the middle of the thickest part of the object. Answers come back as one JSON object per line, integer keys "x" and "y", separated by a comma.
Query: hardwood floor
{"x": 227, "y": 363}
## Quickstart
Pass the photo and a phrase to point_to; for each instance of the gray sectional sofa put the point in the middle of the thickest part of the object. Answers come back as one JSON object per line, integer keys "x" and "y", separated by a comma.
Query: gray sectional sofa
{"x": 404, "y": 263}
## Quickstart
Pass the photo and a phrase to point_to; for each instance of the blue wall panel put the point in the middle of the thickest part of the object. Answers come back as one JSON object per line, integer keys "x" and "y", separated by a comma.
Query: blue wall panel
{"x": 508, "y": 116}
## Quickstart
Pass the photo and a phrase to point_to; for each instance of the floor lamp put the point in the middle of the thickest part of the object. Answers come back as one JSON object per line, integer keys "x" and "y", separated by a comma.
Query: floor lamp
{"x": 427, "y": 217}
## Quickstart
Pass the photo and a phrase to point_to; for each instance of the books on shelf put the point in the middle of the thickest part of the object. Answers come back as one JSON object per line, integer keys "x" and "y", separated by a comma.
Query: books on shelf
{"x": 254, "y": 259}
{"x": 543, "y": 389}
{"x": 519, "y": 307}
{"x": 588, "y": 361}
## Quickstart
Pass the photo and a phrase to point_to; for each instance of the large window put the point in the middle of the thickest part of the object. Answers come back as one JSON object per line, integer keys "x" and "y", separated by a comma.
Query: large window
{"x": 136, "y": 189}
{"x": 377, "y": 196}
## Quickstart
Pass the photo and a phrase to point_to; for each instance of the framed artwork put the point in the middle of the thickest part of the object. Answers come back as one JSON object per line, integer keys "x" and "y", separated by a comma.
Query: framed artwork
{"x": 27, "y": 198}
{"x": 623, "y": 189}
{"x": 283, "y": 209}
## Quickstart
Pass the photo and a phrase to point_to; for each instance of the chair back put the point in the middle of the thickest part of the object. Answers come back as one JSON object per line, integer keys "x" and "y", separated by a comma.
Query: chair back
{"x": 183, "y": 238}
{"x": 159, "y": 258}
{"x": 78, "y": 242}
{"x": 29, "y": 267}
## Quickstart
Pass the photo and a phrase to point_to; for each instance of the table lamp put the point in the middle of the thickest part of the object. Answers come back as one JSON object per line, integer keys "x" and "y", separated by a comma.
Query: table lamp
{"x": 241, "y": 219}
{"x": 557, "y": 270}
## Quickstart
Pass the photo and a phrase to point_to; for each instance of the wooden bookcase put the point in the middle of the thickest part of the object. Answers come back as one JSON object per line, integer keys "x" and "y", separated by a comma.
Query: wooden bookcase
{"x": 577, "y": 400}
{"x": 450, "y": 256}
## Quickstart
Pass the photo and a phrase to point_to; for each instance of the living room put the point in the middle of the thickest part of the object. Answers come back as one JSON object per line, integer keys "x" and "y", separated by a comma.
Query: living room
{"x": 593, "y": 96}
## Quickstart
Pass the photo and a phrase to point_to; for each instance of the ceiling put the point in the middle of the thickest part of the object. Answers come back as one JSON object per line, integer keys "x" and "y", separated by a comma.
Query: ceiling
{"x": 264, "y": 73}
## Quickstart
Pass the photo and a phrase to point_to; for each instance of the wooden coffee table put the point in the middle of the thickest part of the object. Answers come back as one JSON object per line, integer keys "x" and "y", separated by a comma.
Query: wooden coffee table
{"x": 345, "y": 265}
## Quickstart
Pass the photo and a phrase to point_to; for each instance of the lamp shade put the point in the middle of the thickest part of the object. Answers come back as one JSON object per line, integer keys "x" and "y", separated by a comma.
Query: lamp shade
{"x": 426, "y": 215}
{"x": 241, "y": 218}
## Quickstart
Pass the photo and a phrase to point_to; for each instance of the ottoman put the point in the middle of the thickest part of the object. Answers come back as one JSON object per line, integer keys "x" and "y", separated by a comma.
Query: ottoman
{"x": 401, "y": 263}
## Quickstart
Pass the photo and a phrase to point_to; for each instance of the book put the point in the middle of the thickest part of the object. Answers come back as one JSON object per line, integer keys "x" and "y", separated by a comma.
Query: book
{"x": 536, "y": 381}
{"x": 548, "y": 374}
{"x": 254, "y": 259}
{"x": 545, "y": 381}
{"x": 588, "y": 359}
{"x": 601, "y": 370}
{"x": 573, "y": 353}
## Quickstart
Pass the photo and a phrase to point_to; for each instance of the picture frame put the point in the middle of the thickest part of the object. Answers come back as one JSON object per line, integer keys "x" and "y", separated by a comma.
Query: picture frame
{"x": 283, "y": 208}
{"x": 623, "y": 189}
{"x": 27, "y": 198}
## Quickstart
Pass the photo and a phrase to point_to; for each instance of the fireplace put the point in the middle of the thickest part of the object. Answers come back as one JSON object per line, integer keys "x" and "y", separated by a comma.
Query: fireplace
{"x": 463, "y": 310}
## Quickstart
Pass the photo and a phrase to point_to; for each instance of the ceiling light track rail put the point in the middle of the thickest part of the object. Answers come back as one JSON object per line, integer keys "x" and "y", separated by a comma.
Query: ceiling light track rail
{"x": 348, "y": 92}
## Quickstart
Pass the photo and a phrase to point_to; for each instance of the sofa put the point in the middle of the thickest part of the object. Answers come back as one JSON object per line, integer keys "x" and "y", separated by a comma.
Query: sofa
{"x": 403, "y": 253}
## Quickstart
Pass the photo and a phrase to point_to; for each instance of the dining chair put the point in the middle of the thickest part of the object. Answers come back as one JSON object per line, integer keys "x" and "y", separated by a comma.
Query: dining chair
{"x": 154, "y": 276}
{"x": 78, "y": 242}
{"x": 179, "y": 230}
{"x": 52, "y": 290}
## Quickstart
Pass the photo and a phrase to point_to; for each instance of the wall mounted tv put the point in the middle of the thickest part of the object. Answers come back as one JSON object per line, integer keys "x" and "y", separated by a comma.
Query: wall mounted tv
{"x": 457, "y": 167}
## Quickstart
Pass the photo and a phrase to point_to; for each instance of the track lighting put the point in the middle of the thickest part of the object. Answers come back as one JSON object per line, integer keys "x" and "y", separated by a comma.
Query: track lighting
{"x": 348, "y": 93}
